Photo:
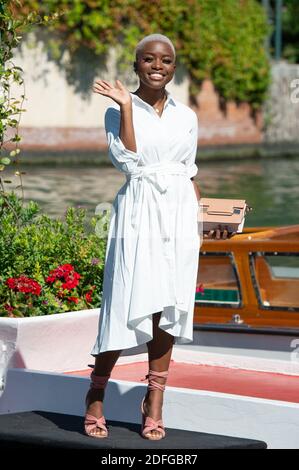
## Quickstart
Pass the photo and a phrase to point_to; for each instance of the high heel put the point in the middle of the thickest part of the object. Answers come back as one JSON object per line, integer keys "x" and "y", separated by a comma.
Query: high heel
{"x": 149, "y": 424}
{"x": 91, "y": 423}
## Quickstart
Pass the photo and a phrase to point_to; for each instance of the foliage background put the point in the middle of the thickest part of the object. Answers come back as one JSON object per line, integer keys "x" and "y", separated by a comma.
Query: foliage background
{"x": 220, "y": 40}
{"x": 290, "y": 29}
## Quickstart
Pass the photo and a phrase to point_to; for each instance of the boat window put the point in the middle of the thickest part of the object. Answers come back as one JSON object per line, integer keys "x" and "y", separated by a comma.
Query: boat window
{"x": 276, "y": 277}
{"x": 219, "y": 281}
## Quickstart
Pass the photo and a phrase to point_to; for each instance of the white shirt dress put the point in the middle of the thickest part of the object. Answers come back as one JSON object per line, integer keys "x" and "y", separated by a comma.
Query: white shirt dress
{"x": 154, "y": 239}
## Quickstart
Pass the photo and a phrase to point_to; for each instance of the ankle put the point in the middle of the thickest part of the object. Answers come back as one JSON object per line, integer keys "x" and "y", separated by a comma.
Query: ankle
{"x": 154, "y": 398}
{"x": 156, "y": 380}
{"x": 95, "y": 396}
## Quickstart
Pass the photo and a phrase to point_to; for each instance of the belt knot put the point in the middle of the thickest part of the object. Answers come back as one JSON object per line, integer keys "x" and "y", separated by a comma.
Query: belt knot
{"x": 158, "y": 175}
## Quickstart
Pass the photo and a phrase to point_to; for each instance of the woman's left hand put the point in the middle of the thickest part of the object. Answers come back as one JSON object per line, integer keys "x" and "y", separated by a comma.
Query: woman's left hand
{"x": 221, "y": 233}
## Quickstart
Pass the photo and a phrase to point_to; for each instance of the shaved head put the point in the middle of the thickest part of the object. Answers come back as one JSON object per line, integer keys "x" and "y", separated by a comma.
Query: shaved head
{"x": 151, "y": 38}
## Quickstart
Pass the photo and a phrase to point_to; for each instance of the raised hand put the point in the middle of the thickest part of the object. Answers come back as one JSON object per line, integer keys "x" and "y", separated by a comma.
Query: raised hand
{"x": 118, "y": 92}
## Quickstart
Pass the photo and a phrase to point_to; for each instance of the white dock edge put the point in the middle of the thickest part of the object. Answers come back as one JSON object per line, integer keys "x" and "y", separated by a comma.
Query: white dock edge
{"x": 275, "y": 422}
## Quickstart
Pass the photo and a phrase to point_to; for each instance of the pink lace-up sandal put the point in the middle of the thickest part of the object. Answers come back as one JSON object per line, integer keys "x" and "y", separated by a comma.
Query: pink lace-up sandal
{"x": 149, "y": 424}
{"x": 91, "y": 423}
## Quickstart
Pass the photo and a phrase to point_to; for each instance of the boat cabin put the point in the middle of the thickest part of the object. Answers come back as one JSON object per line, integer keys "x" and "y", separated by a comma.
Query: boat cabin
{"x": 250, "y": 280}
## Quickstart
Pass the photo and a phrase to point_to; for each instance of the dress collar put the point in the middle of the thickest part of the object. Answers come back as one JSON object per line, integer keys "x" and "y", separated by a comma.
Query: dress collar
{"x": 169, "y": 99}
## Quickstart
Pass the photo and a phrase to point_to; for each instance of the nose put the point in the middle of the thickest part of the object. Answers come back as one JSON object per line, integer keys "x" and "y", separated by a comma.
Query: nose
{"x": 157, "y": 64}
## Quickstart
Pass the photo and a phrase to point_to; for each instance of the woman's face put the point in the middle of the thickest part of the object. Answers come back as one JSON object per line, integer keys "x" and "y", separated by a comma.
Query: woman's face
{"x": 155, "y": 64}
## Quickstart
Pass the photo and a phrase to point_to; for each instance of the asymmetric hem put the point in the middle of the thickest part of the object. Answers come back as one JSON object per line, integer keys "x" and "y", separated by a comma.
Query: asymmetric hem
{"x": 154, "y": 240}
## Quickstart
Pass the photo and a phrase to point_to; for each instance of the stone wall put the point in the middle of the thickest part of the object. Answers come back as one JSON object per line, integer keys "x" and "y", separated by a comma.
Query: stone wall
{"x": 62, "y": 115}
{"x": 281, "y": 111}
{"x": 232, "y": 125}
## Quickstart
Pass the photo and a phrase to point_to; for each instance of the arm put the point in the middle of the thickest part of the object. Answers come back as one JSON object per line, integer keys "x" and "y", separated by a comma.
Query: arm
{"x": 126, "y": 131}
{"x": 124, "y": 159}
{"x": 119, "y": 127}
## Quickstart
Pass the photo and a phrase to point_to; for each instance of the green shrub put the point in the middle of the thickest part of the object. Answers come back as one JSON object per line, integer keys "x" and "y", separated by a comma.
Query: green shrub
{"x": 290, "y": 30}
{"x": 34, "y": 245}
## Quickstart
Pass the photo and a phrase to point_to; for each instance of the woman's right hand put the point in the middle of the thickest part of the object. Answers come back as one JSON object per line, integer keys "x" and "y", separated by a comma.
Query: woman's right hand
{"x": 118, "y": 92}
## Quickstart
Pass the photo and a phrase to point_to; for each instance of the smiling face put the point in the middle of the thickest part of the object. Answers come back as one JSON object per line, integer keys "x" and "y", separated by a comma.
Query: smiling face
{"x": 155, "y": 64}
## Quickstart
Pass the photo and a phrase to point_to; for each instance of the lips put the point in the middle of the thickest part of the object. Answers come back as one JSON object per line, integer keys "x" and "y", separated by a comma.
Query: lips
{"x": 156, "y": 76}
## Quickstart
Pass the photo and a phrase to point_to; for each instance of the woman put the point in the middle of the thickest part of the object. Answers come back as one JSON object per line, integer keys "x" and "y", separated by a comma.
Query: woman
{"x": 153, "y": 241}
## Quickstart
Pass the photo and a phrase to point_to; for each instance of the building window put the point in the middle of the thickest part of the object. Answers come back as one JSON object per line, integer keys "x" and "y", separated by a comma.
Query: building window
{"x": 276, "y": 279}
{"x": 219, "y": 280}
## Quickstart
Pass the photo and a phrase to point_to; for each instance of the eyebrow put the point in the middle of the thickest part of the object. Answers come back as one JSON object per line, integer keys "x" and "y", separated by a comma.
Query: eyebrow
{"x": 151, "y": 53}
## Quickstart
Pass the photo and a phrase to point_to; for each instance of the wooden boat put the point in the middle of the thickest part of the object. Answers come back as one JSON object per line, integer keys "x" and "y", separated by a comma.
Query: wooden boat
{"x": 251, "y": 381}
{"x": 250, "y": 280}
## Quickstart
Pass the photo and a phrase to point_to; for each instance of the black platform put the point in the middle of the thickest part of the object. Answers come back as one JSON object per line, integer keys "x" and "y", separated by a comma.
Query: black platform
{"x": 41, "y": 429}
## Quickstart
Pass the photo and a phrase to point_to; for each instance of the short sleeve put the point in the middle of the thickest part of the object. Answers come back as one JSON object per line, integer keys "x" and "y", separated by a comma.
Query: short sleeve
{"x": 190, "y": 161}
{"x": 123, "y": 159}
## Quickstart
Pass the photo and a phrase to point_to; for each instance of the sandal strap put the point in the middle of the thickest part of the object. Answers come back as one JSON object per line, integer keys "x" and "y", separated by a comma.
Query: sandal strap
{"x": 152, "y": 383}
{"x": 98, "y": 381}
{"x": 152, "y": 425}
{"x": 91, "y": 423}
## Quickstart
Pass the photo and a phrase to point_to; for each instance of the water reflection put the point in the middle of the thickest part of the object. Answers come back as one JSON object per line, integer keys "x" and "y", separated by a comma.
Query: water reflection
{"x": 269, "y": 185}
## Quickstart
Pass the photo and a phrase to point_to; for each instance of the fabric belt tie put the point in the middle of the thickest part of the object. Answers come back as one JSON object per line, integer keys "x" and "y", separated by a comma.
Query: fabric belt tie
{"x": 158, "y": 175}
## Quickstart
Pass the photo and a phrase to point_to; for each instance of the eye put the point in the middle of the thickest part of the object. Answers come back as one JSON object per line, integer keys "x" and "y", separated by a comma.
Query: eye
{"x": 167, "y": 61}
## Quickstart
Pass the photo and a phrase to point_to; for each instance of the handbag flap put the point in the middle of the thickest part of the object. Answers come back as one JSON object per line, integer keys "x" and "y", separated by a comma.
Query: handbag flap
{"x": 223, "y": 207}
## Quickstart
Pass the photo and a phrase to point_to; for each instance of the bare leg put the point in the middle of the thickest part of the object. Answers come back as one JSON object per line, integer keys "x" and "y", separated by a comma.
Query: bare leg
{"x": 159, "y": 355}
{"x": 104, "y": 363}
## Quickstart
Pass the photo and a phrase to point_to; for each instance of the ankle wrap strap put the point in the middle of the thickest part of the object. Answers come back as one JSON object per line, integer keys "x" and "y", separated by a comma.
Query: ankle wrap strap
{"x": 98, "y": 381}
{"x": 152, "y": 383}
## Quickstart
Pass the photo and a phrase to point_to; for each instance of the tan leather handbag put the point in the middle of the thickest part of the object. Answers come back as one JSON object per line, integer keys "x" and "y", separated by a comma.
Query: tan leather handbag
{"x": 228, "y": 213}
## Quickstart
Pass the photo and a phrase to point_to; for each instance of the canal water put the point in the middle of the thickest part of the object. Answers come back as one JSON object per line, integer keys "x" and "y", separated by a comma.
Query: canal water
{"x": 270, "y": 186}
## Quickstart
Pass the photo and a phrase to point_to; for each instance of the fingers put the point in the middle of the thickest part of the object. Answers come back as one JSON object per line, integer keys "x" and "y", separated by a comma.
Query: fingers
{"x": 102, "y": 86}
{"x": 103, "y": 83}
{"x": 225, "y": 234}
{"x": 221, "y": 233}
{"x": 119, "y": 84}
{"x": 210, "y": 234}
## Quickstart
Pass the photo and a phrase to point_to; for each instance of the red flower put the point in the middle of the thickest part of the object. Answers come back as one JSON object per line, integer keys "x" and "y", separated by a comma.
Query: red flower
{"x": 24, "y": 284}
{"x": 88, "y": 295}
{"x": 200, "y": 289}
{"x": 73, "y": 299}
{"x": 67, "y": 273}
{"x": 72, "y": 280}
{"x": 61, "y": 271}
{"x": 11, "y": 282}
{"x": 67, "y": 267}
{"x": 8, "y": 308}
